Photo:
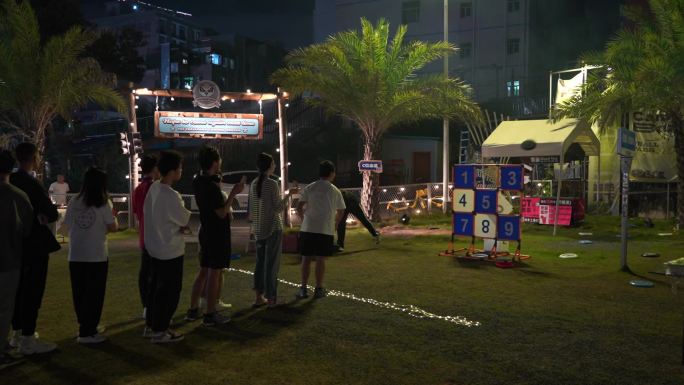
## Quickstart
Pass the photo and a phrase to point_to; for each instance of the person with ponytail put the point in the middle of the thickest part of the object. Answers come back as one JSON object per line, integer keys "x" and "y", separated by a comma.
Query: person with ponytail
{"x": 89, "y": 218}
{"x": 266, "y": 205}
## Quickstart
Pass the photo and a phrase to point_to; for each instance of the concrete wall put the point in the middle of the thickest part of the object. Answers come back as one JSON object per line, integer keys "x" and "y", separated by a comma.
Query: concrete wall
{"x": 397, "y": 157}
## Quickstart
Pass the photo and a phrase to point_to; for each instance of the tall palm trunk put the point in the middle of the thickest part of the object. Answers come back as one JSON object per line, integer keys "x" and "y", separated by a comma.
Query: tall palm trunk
{"x": 370, "y": 200}
{"x": 39, "y": 141}
{"x": 679, "y": 146}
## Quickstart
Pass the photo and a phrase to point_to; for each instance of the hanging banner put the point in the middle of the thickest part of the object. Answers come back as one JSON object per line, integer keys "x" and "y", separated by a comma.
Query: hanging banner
{"x": 208, "y": 125}
{"x": 654, "y": 158}
{"x": 566, "y": 89}
{"x": 529, "y": 209}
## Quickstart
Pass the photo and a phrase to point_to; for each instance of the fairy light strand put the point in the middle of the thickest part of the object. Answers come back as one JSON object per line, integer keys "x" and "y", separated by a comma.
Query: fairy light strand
{"x": 411, "y": 310}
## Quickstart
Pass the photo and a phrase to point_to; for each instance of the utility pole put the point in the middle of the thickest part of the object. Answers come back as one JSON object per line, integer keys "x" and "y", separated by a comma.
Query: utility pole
{"x": 445, "y": 123}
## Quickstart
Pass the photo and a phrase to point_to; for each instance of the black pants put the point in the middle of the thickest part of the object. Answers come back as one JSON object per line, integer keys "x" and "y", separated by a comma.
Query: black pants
{"x": 144, "y": 278}
{"x": 356, "y": 211}
{"x": 30, "y": 293}
{"x": 88, "y": 284}
{"x": 165, "y": 289}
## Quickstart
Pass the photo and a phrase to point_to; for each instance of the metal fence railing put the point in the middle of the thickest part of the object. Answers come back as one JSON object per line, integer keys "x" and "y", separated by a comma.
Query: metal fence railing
{"x": 423, "y": 198}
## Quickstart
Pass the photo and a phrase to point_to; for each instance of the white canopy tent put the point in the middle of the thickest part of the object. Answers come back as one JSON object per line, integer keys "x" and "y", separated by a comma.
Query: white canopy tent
{"x": 549, "y": 138}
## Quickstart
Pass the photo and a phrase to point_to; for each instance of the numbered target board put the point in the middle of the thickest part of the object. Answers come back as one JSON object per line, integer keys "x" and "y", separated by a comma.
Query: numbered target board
{"x": 476, "y": 209}
{"x": 463, "y": 200}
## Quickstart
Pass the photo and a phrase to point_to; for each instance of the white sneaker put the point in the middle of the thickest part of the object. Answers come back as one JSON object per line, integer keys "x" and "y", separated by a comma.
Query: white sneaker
{"x": 166, "y": 337}
{"x": 15, "y": 338}
{"x": 223, "y": 305}
{"x": 94, "y": 339}
{"x": 31, "y": 345}
{"x": 148, "y": 333}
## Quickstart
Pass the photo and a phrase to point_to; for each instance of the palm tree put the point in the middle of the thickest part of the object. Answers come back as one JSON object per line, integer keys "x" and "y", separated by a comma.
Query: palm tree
{"x": 375, "y": 83}
{"x": 39, "y": 83}
{"x": 643, "y": 69}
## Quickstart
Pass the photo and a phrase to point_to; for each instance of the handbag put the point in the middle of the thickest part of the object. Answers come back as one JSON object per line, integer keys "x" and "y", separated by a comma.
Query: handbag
{"x": 44, "y": 241}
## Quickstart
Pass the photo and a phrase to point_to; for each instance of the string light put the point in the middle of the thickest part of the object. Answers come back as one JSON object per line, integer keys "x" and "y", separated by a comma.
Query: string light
{"x": 232, "y": 100}
{"x": 249, "y": 91}
{"x": 277, "y": 150}
{"x": 287, "y": 105}
{"x": 136, "y": 106}
{"x": 137, "y": 97}
{"x": 172, "y": 98}
{"x": 289, "y": 164}
{"x": 410, "y": 310}
{"x": 289, "y": 134}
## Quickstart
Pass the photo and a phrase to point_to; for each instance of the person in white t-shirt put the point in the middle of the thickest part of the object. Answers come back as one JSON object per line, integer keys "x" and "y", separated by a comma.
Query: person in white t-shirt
{"x": 89, "y": 218}
{"x": 321, "y": 206}
{"x": 58, "y": 191}
{"x": 166, "y": 218}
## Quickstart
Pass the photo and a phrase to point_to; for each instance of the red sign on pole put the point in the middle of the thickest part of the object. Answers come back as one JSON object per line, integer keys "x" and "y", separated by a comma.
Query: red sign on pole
{"x": 529, "y": 209}
{"x": 547, "y": 212}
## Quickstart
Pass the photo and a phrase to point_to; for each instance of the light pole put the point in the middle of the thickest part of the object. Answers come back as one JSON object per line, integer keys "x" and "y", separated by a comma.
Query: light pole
{"x": 445, "y": 123}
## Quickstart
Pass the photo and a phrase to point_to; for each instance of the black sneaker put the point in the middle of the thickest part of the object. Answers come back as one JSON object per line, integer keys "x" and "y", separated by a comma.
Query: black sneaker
{"x": 302, "y": 293}
{"x": 193, "y": 314}
{"x": 320, "y": 293}
{"x": 215, "y": 319}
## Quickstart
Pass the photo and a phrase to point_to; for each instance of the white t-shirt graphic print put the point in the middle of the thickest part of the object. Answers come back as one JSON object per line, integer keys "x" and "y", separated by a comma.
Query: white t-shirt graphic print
{"x": 88, "y": 231}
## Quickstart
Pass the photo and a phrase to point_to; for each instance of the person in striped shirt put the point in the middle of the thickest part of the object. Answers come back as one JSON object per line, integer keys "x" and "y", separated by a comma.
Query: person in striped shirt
{"x": 266, "y": 205}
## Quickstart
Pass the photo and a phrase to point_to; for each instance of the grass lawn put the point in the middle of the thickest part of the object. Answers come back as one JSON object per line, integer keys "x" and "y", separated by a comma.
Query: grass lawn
{"x": 551, "y": 321}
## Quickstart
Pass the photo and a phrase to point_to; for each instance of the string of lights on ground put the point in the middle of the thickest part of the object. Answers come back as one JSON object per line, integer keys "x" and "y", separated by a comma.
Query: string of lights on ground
{"x": 411, "y": 310}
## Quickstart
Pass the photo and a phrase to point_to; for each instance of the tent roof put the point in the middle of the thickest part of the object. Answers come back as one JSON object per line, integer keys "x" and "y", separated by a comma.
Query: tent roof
{"x": 552, "y": 138}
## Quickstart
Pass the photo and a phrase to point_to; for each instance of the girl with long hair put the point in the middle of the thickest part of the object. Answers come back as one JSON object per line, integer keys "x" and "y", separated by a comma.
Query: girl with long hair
{"x": 89, "y": 218}
{"x": 266, "y": 205}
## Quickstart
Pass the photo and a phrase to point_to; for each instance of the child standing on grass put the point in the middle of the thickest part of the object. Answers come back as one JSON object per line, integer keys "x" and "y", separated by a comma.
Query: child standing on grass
{"x": 89, "y": 218}
{"x": 17, "y": 214}
{"x": 166, "y": 218}
{"x": 150, "y": 174}
{"x": 265, "y": 211}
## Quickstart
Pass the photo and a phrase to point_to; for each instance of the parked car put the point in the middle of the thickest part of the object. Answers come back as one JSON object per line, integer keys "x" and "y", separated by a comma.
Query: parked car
{"x": 230, "y": 178}
{"x": 241, "y": 202}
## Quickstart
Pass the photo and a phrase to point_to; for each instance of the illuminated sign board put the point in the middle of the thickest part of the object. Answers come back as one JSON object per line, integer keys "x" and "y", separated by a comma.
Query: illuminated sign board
{"x": 370, "y": 165}
{"x": 208, "y": 125}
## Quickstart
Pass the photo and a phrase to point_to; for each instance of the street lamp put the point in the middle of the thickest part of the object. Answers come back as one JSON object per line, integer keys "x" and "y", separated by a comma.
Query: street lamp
{"x": 445, "y": 123}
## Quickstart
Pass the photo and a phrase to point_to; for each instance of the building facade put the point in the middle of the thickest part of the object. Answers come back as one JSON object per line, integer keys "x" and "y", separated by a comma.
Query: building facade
{"x": 506, "y": 47}
{"x": 179, "y": 50}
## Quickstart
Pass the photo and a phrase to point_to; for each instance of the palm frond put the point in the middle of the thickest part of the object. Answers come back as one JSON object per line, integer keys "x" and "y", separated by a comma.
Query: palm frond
{"x": 375, "y": 81}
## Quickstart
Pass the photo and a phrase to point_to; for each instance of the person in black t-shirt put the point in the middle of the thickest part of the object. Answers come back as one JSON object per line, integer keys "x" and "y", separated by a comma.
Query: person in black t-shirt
{"x": 214, "y": 235}
{"x": 354, "y": 208}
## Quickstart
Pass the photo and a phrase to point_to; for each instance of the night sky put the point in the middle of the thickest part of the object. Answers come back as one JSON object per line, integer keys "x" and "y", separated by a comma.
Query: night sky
{"x": 286, "y": 22}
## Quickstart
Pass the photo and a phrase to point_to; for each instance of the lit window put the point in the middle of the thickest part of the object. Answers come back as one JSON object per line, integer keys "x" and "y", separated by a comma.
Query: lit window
{"x": 513, "y": 88}
{"x": 466, "y": 9}
{"x": 513, "y": 5}
{"x": 410, "y": 12}
{"x": 513, "y": 46}
{"x": 188, "y": 82}
{"x": 465, "y": 50}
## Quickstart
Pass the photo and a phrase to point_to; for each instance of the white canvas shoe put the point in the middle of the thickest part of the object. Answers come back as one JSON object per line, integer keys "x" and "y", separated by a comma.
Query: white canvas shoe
{"x": 15, "y": 338}
{"x": 94, "y": 339}
{"x": 32, "y": 345}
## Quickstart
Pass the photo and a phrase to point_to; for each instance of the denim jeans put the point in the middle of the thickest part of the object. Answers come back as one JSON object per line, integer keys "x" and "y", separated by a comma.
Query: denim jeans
{"x": 268, "y": 253}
